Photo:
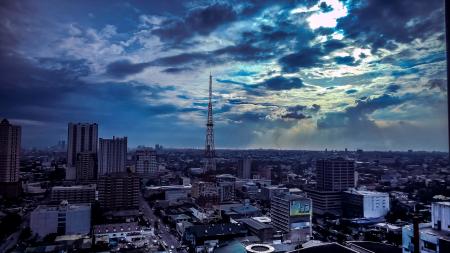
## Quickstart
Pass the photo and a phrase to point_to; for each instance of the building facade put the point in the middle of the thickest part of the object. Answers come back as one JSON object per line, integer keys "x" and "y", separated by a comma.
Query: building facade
{"x": 74, "y": 194}
{"x": 63, "y": 219}
{"x": 10, "y": 138}
{"x": 146, "y": 162}
{"x": 335, "y": 174}
{"x": 112, "y": 155}
{"x": 82, "y": 137}
{"x": 291, "y": 214}
{"x": 119, "y": 191}
{"x": 86, "y": 166}
{"x": 365, "y": 204}
{"x": 244, "y": 169}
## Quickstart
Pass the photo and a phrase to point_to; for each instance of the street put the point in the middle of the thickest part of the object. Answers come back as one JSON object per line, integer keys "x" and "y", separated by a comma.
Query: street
{"x": 163, "y": 231}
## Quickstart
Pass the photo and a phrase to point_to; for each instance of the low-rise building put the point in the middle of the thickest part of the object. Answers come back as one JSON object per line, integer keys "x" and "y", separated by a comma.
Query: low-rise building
{"x": 74, "y": 194}
{"x": 365, "y": 204}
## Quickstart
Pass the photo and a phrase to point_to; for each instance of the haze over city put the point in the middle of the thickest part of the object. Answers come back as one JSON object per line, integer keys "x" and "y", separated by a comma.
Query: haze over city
{"x": 286, "y": 74}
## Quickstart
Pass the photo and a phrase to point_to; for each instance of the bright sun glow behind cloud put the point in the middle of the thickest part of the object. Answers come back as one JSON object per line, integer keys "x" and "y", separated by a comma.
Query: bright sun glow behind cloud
{"x": 327, "y": 19}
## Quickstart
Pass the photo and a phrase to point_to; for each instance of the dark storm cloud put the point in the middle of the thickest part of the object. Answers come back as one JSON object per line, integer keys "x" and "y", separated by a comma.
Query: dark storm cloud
{"x": 356, "y": 117}
{"x": 176, "y": 70}
{"x": 332, "y": 45}
{"x": 440, "y": 84}
{"x": 351, "y": 91}
{"x": 123, "y": 68}
{"x": 392, "y": 88}
{"x": 300, "y": 112}
{"x": 282, "y": 83}
{"x": 305, "y": 58}
{"x": 380, "y": 23}
{"x": 201, "y": 20}
{"x": 345, "y": 60}
{"x": 295, "y": 115}
{"x": 324, "y": 7}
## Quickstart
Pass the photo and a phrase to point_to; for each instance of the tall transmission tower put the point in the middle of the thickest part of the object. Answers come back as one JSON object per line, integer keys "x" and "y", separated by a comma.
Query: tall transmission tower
{"x": 210, "y": 152}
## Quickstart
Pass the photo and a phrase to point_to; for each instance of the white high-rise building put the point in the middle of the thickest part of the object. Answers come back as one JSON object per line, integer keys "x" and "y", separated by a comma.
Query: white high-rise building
{"x": 10, "y": 136}
{"x": 82, "y": 137}
{"x": 112, "y": 155}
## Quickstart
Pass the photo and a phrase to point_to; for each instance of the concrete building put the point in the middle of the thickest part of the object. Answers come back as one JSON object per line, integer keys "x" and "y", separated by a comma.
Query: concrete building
{"x": 205, "y": 193}
{"x": 325, "y": 202}
{"x": 82, "y": 137}
{"x": 10, "y": 139}
{"x": 291, "y": 214}
{"x": 119, "y": 191}
{"x": 86, "y": 166}
{"x": 226, "y": 187}
{"x": 112, "y": 155}
{"x": 433, "y": 237}
{"x": 267, "y": 192}
{"x": 244, "y": 169}
{"x": 365, "y": 204}
{"x": 262, "y": 230}
{"x": 63, "y": 219}
{"x": 335, "y": 174}
{"x": 146, "y": 163}
{"x": 74, "y": 194}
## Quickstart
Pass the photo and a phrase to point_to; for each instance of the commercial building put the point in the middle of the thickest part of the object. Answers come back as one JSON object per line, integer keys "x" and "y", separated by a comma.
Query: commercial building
{"x": 112, "y": 155}
{"x": 10, "y": 139}
{"x": 146, "y": 163}
{"x": 74, "y": 194}
{"x": 267, "y": 192}
{"x": 365, "y": 204}
{"x": 433, "y": 237}
{"x": 335, "y": 174}
{"x": 291, "y": 214}
{"x": 244, "y": 169}
{"x": 262, "y": 230}
{"x": 82, "y": 137}
{"x": 118, "y": 191}
{"x": 63, "y": 219}
{"x": 86, "y": 166}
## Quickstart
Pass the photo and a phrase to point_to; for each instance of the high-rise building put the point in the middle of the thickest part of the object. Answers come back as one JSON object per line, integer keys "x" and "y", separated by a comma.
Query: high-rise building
{"x": 226, "y": 187}
{"x": 291, "y": 214}
{"x": 205, "y": 193}
{"x": 146, "y": 164}
{"x": 82, "y": 137}
{"x": 86, "y": 166}
{"x": 118, "y": 191}
{"x": 112, "y": 155}
{"x": 244, "y": 169}
{"x": 74, "y": 194}
{"x": 10, "y": 138}
{"x": 335, "y": 174}
{"x": 63, "y": 219}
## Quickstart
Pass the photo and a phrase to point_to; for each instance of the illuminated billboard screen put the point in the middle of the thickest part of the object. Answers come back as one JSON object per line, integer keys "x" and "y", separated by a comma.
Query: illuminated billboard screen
{"x": 300, "y": 207}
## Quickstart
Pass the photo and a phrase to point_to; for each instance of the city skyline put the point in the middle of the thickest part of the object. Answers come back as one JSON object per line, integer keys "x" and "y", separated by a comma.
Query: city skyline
{"x": 305, "y": 75}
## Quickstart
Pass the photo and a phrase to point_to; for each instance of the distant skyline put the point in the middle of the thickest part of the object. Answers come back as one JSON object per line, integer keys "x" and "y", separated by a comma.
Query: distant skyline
{"x": 286, "y": 74}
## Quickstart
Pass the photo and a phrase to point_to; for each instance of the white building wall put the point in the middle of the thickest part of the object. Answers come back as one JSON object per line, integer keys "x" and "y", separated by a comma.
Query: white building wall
{"x": 43, "y": 223}
{"x": 440, "y": 211}
{"x": 376, "y": 205}
{"x": 78, "y": 221}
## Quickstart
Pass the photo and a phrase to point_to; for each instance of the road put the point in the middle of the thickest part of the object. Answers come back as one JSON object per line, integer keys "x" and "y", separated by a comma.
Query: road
{"x": 12, "y": 240}
{"x": 163, "y": 231}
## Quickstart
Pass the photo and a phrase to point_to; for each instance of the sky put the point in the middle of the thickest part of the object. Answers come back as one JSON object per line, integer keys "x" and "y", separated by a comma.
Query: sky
{"x": 286, "y": 74}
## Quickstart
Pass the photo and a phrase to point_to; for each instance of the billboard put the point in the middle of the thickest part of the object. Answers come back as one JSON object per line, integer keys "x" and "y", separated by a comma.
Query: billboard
{"x": 300, "y": 207}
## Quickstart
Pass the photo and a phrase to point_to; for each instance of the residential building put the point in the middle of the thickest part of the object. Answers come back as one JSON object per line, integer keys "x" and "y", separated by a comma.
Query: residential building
{"x": 62, "y": 219}
{"x": 146, "y": 163}
{"x": 82, "y": 137}
{"x": 112, "y": 155}
{"x": 86, "y": 166}
{"x": 10, "y": 140}
{"x": 74, "y": 194}
{"x": 118, "y": 191}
